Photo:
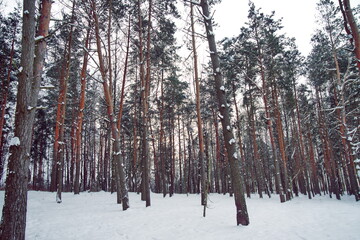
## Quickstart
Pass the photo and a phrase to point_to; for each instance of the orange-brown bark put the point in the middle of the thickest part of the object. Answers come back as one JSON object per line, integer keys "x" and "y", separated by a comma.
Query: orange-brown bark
{"x": 110, "y": 111}
{"x": 80, "y": 114}
{"x": 59, "y": 144}
{"x": 349, "y": 21}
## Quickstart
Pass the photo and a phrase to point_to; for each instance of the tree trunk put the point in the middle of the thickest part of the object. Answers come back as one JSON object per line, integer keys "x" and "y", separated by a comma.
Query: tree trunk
{"x": 161, "y": 137}
{"x": 236, "y": 177}
{"x": 198, "y": 112}
{"x": 279, "y": 188}
{"x": 327, "y": 151}
{"x": 13, "y": 222}
{"x": 122, "y": 96}
{"x": 110, "y": 111}
{"x": 59, "y": 144}
{"x": 281, "y": 142}
{"x": 79, "y": 119}
{"x": 304, "y": 160}
{"x": 349, "y": 20}
{"x": 341, "y": 115}
{"x": 145, "y": 102}
{"x": 314, "y": 175}
{"x": 238, "y": 127}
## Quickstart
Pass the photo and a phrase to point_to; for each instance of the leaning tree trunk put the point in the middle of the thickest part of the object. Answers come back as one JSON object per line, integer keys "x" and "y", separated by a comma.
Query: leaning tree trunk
{"x": 13, "y": 222}
{"x": 236, "y": 177}
{"x": 110, "y": 111}
{"x": 349, "y": 20}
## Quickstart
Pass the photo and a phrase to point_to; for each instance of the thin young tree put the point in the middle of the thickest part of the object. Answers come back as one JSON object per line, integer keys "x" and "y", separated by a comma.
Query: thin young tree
{"x": 146, "y": 93}
{"x": 198, "y": 113}
{"x": 80, "y": 114}
{"x": 59, "y": 143}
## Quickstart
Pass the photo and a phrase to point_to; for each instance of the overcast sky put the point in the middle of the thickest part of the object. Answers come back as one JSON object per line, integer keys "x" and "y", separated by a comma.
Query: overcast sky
{"x": 298, "y": 17}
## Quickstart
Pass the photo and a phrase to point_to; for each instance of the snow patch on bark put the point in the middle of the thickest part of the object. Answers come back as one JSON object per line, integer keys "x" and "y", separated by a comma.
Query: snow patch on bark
{"x": 15, "y": 141}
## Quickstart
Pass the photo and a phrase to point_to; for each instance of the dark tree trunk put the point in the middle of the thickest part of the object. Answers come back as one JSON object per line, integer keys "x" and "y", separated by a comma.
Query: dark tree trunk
{"x": 13, "y": 222}
{"x": 146, "y": 93}
{"x": 235, "y": 170}
{"x": 349, "y": 20}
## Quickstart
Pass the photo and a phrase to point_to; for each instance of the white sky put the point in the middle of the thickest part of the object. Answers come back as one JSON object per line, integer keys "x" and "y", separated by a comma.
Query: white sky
{"x": 298, "y": 17}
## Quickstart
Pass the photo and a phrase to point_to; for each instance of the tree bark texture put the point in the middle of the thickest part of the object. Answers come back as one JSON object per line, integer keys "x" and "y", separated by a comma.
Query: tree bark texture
{"x": 110, "y": 111}
{"x": 242, "y": 216}
{"x": 349, "y": 20}
{"x": 13, "y": 222}
{"x": 145, "y": 107}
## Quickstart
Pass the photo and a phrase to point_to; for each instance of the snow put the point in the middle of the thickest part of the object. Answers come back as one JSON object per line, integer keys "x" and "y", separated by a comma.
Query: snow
{"x": 232, "y": 141}
{"x": 58, "y": 199}
{"x": 15, "y": 141}
{"x": 222, "y": 88}
{"x": 92, "y": 216}
{"x": 26, "y": 12}
{"x": 38, "y": 38}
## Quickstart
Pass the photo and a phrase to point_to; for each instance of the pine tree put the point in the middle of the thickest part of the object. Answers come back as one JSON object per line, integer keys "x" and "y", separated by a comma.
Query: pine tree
{"x": 13, "y": 221}
{"x": 235, "y": 170}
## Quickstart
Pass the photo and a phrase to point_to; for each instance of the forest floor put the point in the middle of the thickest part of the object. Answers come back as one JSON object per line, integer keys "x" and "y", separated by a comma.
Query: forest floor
{"x": 96, "y": 216}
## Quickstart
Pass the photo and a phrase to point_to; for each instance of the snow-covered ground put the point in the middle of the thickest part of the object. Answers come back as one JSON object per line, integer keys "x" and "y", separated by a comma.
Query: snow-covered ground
{"x": 96, "y": 216}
